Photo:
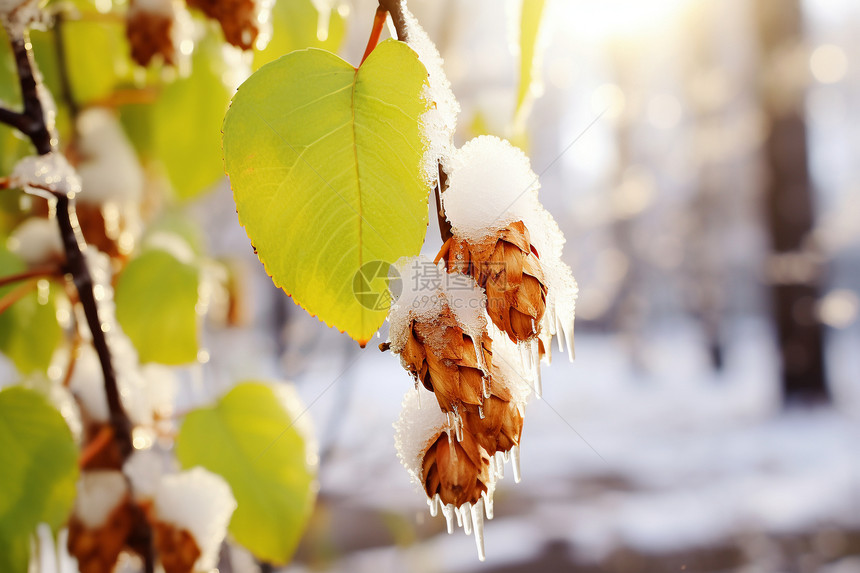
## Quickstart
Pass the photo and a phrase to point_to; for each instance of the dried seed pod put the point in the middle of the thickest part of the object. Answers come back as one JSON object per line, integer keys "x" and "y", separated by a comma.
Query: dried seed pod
{"x": 456, "y": 470}
{"x": 238, "y": 19}
{"x": 508, "y": 267}
{"x": 149, "y": 28}
{"x": 498, "y": 425}
{"x": 177, "y": 550}
{"x": 441, "y": 356}
{"x": 102, "y": 521}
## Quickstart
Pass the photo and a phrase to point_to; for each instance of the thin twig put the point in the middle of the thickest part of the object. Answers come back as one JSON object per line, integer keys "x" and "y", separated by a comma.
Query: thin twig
{"x": 16, "y": 294}
{"x": 29, "y": 274}
{"x": 395, "y": 8}
{"x": 375, "y": 32}
{"x": 33, "y": 125}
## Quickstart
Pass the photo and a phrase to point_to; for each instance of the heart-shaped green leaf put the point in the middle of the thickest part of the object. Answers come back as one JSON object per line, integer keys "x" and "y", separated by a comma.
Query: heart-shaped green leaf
{"x": 39, "y": 461}
{"x": 325, "y": 165}
{"x": 252, "y": 438}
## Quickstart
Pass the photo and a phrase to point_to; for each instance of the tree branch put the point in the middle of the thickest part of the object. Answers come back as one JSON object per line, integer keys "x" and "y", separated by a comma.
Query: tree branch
{"x": 32, "y": 123}
{"x": 395, "y": 8}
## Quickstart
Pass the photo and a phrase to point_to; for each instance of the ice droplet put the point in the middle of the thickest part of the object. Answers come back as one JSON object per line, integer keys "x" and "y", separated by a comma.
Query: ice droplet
{"x": 515, "y": 463}
{"x": 466, "y": 512}
{"x": 488, "y": 501}
{"x": 434, "y": 505}
{"x": 477, "y": 512}
{"x": 448, "y": 512}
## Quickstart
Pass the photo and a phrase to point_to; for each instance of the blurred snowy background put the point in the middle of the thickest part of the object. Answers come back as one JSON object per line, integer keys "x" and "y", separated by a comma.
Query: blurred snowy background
{"x": 701, "y": 157}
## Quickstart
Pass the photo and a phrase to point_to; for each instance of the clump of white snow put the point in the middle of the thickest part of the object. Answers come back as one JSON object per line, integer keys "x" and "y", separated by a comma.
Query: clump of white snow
{"x": 144, "y": 469}
{"x": 46, "y": 174}
{"x": 201, "y": 502}
{"x": 36, "y": 241}
{"x": 420, "y": 423}
{"x": 19, "y": 13}
{"x": 440, "y": 121}
{"x": 491, "y": 185}
{"x": 99, "y": 493}
{"x": 110, "y": 170}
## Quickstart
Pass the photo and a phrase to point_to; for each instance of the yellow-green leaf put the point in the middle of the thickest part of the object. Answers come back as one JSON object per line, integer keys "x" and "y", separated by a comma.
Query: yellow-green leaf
{"x": 297, "y": 24}
{"x": 39, "y": 461}
{"x": 530, "y": 21}
{"x": 156, "y": 296}
{"x": 250, "y": 438}
{"x": 325, "y": 164}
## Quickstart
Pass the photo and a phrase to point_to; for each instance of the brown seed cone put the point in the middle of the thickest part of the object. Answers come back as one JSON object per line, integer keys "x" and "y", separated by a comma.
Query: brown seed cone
{"x": 150, "y": 33}
{"x": 98, "y": 549}
{"x": 443, "y": 358}
{"x": 177, "y": 549}
{"x": 501, "y": 427}
{"x": 456, "y": 470}
{"x": 508, "y": 268}
{"x": 237, "y": 18}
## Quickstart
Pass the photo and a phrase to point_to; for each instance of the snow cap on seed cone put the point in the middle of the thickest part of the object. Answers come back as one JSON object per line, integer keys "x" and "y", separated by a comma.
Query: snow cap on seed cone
{"x": 439, "y": 330}
{"x": 191, "y": 510}
{"x": 101, "y": 520}
{"x": 497, "y": 220}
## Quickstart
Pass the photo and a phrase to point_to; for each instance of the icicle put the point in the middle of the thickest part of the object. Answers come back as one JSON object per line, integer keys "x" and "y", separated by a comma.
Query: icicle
{"x": 458, "y": 424}
{"x": 485, "y": 387}
{"x": 568, "y": 334}
{"x": 477, "y": 512}
{"x": 559, "y": 332}
{"x": 418, "y": 393}
{"x": 466, "y": 510}
{"x": 481, "y": 412}
{"x": 515, "y": 463}
{"x": 506, "y": 456}
{"x": 534, "y": 351}
{"x": 459, "y": 516}
{"x": 479, "y": 356}
{"x": 448, "y": 512}
{"x": 493, "y": 470}
{"x": 434, "y": 505}
{"x": 500, "y": 465}
{"x": 488, "y": 501}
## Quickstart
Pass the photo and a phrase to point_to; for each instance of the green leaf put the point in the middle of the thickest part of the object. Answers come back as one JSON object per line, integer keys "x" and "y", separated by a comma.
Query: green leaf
{"x": 97, "y": 56}
{"x": 249, "y": 437}
{"x": 530, "y": 21}
{"x": 296, "y": 24}
{"x": 325, "y": 165}
{"x": 39, "y": 461}
{"x": 29, "y": 331}
{"x": 156, "y": 295}
{"x": 185, "y": 123}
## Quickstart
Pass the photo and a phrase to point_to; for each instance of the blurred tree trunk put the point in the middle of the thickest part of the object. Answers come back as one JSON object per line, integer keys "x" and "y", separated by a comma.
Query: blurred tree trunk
{"x": 788, "y": 206}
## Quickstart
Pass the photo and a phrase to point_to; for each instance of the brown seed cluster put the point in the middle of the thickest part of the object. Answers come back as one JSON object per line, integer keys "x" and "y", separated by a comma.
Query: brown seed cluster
{"x": 238, "y": 19}
{"x": 97, "y": 549}
{"x": 150, "y": 34}
{"x": 176, "y": 548}
{"x": 507, "y": 266}
{"x": 131, "y": 526}
{"x": 485, "y": 418}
